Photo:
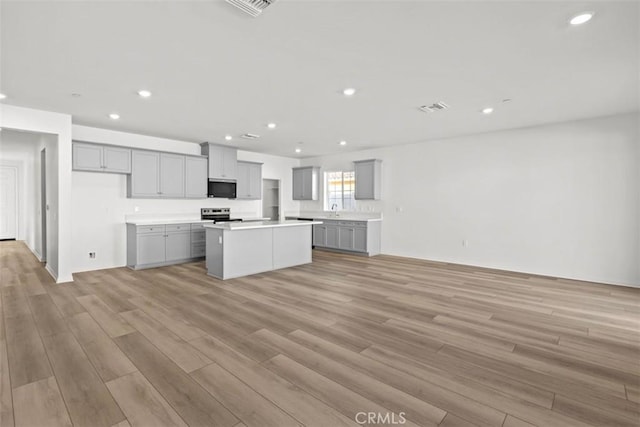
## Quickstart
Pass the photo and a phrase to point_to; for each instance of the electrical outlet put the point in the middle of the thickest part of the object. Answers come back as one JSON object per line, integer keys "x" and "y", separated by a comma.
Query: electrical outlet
{"x": 465, "y": 243}
{"x": 92, "y": 255}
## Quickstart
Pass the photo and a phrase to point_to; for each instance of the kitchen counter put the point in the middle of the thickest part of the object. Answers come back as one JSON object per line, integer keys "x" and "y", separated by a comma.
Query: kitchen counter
{"x": 339, "y": 217}
{"x": 237, "y": 249}
{"x": 231, "y": 226}
{"x": 160, "y": 221}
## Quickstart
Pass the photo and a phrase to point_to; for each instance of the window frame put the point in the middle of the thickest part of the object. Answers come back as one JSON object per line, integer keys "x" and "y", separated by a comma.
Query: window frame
{"x": 326, "y": 196}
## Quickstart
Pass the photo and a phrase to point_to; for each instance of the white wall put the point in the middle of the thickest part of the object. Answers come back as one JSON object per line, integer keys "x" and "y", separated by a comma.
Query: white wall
{"x": 58, "y": 128}
{"x": 100, "y": 202}
{"x": 560, "y": 200}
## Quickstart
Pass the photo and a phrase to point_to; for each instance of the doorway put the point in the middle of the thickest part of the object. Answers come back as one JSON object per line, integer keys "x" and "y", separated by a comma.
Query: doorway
{"x": 271, "y": 199}
{"x": 8, "y": 202}
{"x": 43, "y": 202}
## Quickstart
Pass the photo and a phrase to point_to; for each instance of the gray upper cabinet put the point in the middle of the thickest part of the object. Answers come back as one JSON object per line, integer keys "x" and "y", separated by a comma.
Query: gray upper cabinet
{"x": 249, "y": 184}
{"x": 368, "y": 179}
{"x": 116, "y": 159}
{"x": 166, "y": 175}
{"x": 144, "y": 180}
{"x": 196, "y": 178}
{"x": 223, "y": 161}
{"x": 172, "y": 175}
{"x": 305, "y": 183}
{"x": 87, "y": 157}
{"x": 101, "y": 158}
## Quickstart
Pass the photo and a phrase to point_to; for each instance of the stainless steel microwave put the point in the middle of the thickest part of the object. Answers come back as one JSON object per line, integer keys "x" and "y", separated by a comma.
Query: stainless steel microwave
{"x": 222, "y": 189}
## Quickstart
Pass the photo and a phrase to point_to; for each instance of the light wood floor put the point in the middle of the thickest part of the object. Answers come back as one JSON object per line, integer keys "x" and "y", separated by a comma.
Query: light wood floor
{"x": 314, "y": 345}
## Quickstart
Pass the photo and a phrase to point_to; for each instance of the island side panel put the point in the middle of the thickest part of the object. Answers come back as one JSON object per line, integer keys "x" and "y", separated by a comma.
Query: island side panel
{"x": 214, "y": 252}
{"x": 291, "y": 246}
{"x": 247, "y": 252}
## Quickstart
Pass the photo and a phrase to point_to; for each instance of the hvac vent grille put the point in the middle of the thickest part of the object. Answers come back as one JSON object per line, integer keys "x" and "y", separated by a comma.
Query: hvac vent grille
{"x": 252, "y": 7}
{"x": 438, "y": 106}
{"x": 250, "y": 136}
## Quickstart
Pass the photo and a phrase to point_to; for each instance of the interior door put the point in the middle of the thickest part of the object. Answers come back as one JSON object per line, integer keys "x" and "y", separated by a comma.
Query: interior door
{"x": 8, "y": 202}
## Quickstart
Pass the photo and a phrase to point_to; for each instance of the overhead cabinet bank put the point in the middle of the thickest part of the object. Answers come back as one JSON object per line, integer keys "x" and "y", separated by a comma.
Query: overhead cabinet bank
{"x": 150, "y": 174}
{"x": 101, "y": 158}
{"x": 165, "y": 175}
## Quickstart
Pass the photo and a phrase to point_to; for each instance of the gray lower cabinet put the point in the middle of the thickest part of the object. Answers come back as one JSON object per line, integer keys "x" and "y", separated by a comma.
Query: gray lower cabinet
{"x": 249, "y": 183}
{"x": 158, "y": 245}
{"x": 351, "y": 236}
{"x": 198, "y": 241}
{"x": 101, "y": 158}
{"x": 332, "y": 236}
{"x": 320, "y": 235}
{"x": 150, "y": 248}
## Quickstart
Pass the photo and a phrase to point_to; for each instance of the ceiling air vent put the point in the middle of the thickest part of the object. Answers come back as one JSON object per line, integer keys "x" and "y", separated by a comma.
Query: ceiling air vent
{"x": 438, "y": 106}
{"x": 250, "y": 136}
{"x": 252, "y": 7}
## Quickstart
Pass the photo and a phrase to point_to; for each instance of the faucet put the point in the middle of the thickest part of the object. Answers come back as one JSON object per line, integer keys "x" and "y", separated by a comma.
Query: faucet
{"x": 334, "y": 209}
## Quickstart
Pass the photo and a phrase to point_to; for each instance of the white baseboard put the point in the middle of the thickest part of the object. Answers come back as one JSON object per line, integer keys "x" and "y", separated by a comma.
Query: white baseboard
{"x": 64, "y": 279}
{"x": 52, "y": 272}
{"x": 34, "y": 252}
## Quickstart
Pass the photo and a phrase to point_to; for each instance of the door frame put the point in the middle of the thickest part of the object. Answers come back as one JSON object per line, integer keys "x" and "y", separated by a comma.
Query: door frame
{"x": 43, "y": 203}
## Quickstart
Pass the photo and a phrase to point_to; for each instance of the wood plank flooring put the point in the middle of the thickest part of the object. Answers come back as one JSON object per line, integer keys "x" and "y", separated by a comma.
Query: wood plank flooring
{"x": 323, "y": 344}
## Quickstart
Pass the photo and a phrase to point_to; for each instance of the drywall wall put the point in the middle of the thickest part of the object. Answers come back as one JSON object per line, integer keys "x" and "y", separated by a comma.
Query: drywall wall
{"x": 100, "y": 203}
{"x": 57, "y": 127}
{"x": 559, "y": 200}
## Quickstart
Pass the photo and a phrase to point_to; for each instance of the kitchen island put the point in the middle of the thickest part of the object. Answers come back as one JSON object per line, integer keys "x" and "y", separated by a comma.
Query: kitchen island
{"x": 236, "y": 249}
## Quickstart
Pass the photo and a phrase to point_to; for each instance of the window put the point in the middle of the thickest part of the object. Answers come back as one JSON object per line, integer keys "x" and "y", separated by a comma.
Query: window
{"x": 340, "y": 190}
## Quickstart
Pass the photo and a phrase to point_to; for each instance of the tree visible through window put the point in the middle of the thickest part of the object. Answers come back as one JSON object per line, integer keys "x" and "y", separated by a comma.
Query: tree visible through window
{"x": 340, "y": 190}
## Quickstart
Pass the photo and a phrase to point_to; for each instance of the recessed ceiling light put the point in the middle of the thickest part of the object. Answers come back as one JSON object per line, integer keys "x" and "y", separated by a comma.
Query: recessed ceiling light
{"x": 343, "y": 142}
{"x": 581, "y": 18}
{"x": 228, "y": 137}
{"x": 114, "y": 116}
{"x": 349, "y": 91}
{"x": 3, "y": 96}
{"x": 487, "y": 110}
{"x": 271, "y": 125}
{"x": 298, "y": 150}
{"x": 144, "y": 93}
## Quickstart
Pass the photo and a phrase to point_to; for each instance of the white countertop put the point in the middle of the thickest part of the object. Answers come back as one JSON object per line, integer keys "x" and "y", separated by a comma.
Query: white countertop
{"x": 340, "y": 217}
{"x": 231, "y": 226}
{"x": 161, "y": 221}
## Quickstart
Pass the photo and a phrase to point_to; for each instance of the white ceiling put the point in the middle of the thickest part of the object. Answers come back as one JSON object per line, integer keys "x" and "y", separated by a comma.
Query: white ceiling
{"x": 215, "y": 71}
